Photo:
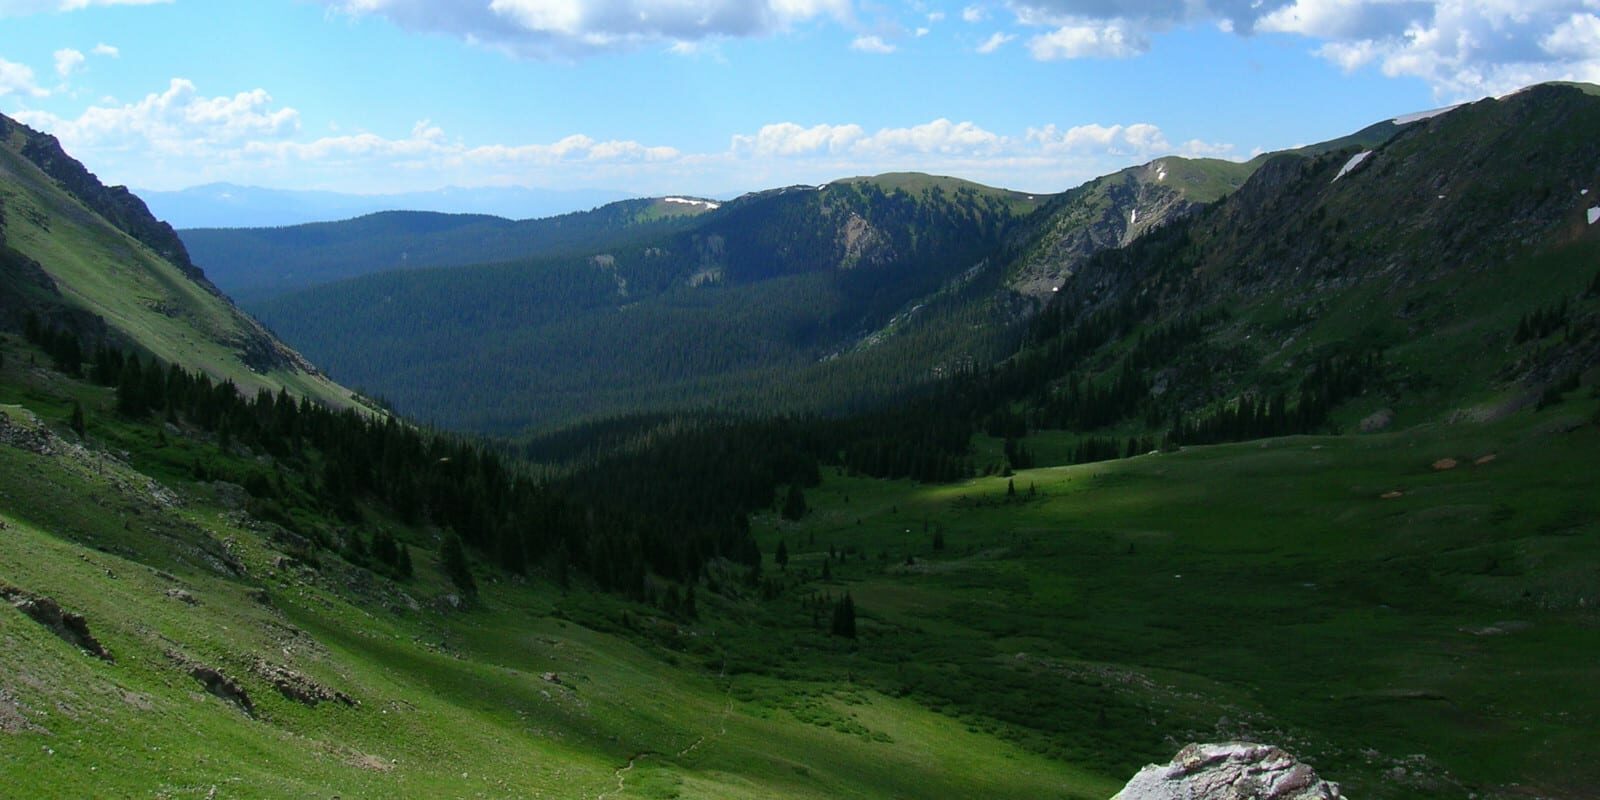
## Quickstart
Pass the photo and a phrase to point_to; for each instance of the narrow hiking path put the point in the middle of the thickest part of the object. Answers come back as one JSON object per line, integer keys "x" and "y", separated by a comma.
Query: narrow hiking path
{"x": 621, "y": 773}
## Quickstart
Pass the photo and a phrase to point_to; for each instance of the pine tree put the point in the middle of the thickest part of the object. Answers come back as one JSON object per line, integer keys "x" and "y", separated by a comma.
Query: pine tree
{"x": 77, "y": 418}
{"x": 794, "y": 506}
{"x": 453, "y": 559}
{"x": 782, "y": 556}
{"x": 844, "y": 618}
{"x": 402, "y": 563}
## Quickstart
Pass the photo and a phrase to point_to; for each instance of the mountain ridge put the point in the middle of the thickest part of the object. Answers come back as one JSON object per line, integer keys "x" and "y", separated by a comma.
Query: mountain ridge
{"x": 94, "y": 261}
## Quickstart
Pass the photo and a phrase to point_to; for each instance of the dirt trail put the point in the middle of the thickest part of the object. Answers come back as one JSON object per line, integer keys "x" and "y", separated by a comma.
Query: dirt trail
{"x": 621, "y": 773}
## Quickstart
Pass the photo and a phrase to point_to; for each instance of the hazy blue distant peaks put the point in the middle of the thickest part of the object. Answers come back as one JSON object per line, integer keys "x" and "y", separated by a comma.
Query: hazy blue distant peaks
{"x": 226, "y": 205}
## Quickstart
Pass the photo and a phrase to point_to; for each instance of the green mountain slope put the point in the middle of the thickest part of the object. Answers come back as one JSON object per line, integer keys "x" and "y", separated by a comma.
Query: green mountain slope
{"x": 219, "y": 622}
{"x": 802, "y": 298}
{"x": 85, "y": 257}
{"x": 258, "y": 263}
{"x": 1430, "y": 256}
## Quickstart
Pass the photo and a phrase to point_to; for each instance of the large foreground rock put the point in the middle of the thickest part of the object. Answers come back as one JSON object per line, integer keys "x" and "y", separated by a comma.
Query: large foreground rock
{"x": 1231, "y": 771}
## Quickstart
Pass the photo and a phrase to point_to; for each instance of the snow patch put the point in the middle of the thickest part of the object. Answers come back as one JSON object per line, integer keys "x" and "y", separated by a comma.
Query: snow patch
{"x": 689, "y": 201}
{"x": 1355, "y": 161}
{"x": 1133, "y": 219}
{"x": 1583, "y": 192}
{"x": 1407, "y": 119}
{"x": 1594, "y": 214}
{"x": 1161, "y": 170}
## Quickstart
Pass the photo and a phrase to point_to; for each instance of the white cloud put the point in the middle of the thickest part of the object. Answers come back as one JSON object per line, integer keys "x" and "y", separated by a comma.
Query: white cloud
{"x": 103, "y": 49}
{"x": 18, "y": 79}
{"x": 974, "y": 14}
{"x": 182, "y": 137}
{"x": 68, "y": 60}
{"x": 871, "y": 44}
{"x": 789, "y": 139}
{"x": 176, "y": 121}
{"x": 995, "y": 42}
{"x": 921, "y": 32}
{"x": 575, "y": 28}
{"x": 1462, "y": 48}
{"x": 1089, "y": 39}
{"x": 936, "y": 16}
{"x": 1138, "y": 139}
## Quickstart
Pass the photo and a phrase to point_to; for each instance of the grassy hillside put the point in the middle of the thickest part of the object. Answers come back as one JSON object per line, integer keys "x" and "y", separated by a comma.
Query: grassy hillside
{"x": 329, "y": 678}
{"x": 1360, "y": 600}
{"x": 146, "y": 299}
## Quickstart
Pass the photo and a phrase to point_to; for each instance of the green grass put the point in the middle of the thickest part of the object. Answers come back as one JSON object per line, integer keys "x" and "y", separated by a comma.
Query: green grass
{"x": 451, "y": 704}
{"x": 1264, "y": 589}
{"x": 106, "y": 272}
{"x": 1102, "y": 618}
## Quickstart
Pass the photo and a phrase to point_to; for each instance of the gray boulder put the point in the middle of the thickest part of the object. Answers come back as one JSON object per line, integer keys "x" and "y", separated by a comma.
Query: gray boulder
{"x": 1229, "y": 771}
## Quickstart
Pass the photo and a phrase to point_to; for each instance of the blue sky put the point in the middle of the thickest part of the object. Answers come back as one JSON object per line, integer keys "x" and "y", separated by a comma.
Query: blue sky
{"x": 715, "y": 97}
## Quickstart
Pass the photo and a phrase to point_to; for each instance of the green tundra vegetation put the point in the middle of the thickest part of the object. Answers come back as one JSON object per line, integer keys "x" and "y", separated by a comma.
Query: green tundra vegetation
{"x": 1311, "y": 464}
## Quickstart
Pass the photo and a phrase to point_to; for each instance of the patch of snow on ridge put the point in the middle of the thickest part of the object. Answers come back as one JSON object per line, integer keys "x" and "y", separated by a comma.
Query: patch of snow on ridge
{"x": 1355, "y": 161}
{"x": 1594, "y": 214}
{"x": 691, "y": 202}
{"x": 1407, "y": 119}
{"x": 1161, "y": 171}
{"x": 1133, "y": 219}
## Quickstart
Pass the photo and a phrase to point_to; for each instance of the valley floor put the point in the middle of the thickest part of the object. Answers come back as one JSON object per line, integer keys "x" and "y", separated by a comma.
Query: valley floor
{"x": 1414, "y": 613}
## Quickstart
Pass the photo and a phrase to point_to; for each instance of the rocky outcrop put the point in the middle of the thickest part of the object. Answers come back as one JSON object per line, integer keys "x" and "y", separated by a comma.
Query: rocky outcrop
{"x": 116, "y": 204}
{"x": 1106, "y": 214}
{"x": 298, "y": 687}
{"x": 215, "y": 682}
{"x": 1229, "y": 771}
{"x": 72, "y": 628}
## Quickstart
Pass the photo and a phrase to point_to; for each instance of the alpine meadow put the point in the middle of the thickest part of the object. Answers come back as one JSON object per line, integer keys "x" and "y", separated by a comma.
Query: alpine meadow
{"x": 699, "y": 454}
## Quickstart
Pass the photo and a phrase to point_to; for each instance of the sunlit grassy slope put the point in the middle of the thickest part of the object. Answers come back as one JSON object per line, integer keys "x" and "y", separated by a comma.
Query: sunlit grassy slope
{"x": 104, "y": 271}
{"x": 1362, "y": 601}
{"x": 513, "y": 699}
{"x": 1348, "y": 598}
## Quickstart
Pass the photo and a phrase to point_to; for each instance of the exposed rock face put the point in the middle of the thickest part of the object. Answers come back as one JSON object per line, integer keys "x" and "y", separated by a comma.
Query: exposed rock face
{"x": 72, "y": 628}
{"x": 1230, "y": 771}
{"x": 300, "y": 688}
{"x": 218, "y": 684}
{"x": 119, "y": 206}
{"x": 1109, "y": 213}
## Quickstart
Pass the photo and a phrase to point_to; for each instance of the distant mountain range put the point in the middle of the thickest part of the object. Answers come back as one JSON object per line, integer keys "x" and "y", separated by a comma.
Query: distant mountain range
{"x": 227, "y": 205}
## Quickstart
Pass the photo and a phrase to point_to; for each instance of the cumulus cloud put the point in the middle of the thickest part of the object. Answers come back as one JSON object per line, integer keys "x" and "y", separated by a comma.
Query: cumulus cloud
{"x": 575, "y": 28}
{"x": 974, "y": 14}
{"x": 789, "y": 139}
{"x": 871, "y": 44}
{"x": 103, "y": 49}
{"x": 176, "y": 121}
{"x": 18, "y": 79}
{"x": 1462, "y": 48}
{"x": 68, "y": 60}
{"x": 181, "y": 136}
{"x": 1088, "y": 39}
{"x": 995, "y": 41}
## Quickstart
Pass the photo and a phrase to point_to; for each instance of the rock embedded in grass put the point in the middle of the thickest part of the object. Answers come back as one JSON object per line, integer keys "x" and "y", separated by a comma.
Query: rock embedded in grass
{"x": 1229, "y": 771}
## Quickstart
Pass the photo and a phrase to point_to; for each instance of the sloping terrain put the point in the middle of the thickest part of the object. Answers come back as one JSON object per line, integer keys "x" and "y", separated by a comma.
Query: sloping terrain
{"x": 81, "y": 256}
{"x": 254, "y": 264}
{"x": 1447, "y": 271}
{"x": 232, "y": 657}
{"x": 804, "y": 298}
